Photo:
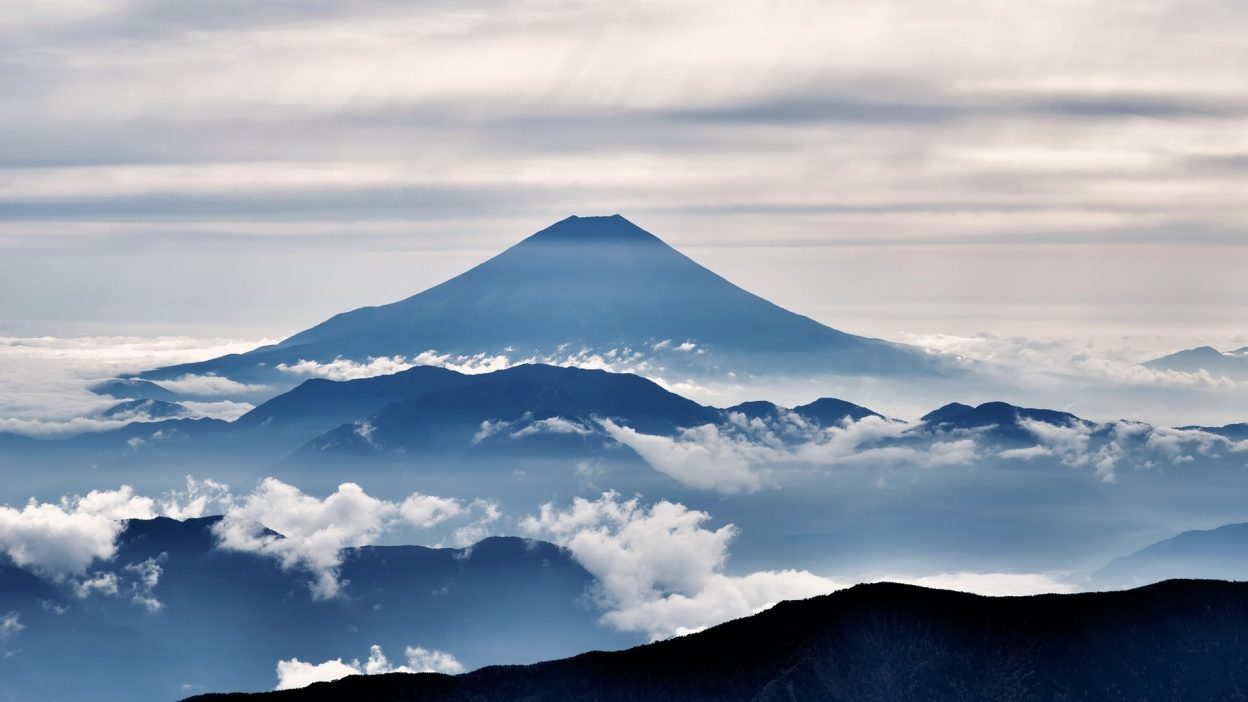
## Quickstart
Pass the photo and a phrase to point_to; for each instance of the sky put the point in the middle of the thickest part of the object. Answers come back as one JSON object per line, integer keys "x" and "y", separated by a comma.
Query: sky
{"x": 243, "y": 170}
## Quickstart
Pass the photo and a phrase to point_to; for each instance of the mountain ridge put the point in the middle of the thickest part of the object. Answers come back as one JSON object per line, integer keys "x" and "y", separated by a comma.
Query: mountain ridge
{"x": 885, "y": 641}
{"x": 583, "y": 282}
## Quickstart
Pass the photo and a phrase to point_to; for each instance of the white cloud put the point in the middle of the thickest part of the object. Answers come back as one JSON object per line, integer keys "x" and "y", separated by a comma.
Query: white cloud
{"x": 613, "y": 359}
{"x": 101, "y": 583}
{"x": 993, "y": 584}
{"x": 46, "y": 379}
{"x": 294, "y": 673}
{"x": 744, "y": 454}
{"x": 700, "y": 457}
{"x": 429, "y": 510}
{"x": 720, "y": 599}
{"x": 310, "y": 532}
{"x": 227, "y": 410}
{"x": 196, "y": 500}
{"x": 1071, "y": 444}
{"x": 64, "y": 539}
{"x": 146, "y": 577}
{"x": 209, "y": 385}
{"x": 552, "y": 425}
{"x": 1026, "y": 454}
{"x": 487, "y": 514}
{"x": 10, "y": 624}
{"x": 1062, "y": 355}
{"x": 659, "y": 570}
{"x": 1176, "y": 443}
{"x": 423, "y": 660}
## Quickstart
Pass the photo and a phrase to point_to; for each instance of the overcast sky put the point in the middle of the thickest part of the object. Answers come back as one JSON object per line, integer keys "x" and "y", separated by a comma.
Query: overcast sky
{"x": 1056, "y": 167}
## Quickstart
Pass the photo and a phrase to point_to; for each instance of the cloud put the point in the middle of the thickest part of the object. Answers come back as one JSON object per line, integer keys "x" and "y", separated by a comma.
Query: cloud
{"x": 1176, "y": 443}
{"x": 310, "y": 532}
{"x": 47, "y": 379}
{"x": 658, "y": 569}
{"x": 700, "y": 457}
{"x": 1026, "y": 454}
{"x": 99, "y": 583}
{"x": 196, "y": 500}
{"x": 720, "y": 599}
{"x": 552, "y": 425}
{"x": 63, "y": 539}
{"x": 294, "y": 673}
{"x": 488, "y": 513}
{"x": 305, "y": 532}
{"x": 146, "y": 575}
{"x": 1084, "y": 358}
{"x": 10, "y": 624}
{"x": 427, "y": 511}
{"x": 227, "y": 410}
{"x": 613, "y": 359}
{"x": 209, "y": 385}
{"x": 743, "y": 455}
{"x": 993, "y": 584}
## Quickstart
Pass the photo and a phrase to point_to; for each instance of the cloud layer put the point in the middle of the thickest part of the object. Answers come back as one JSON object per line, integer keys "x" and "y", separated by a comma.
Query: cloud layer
{"x": 294, "y": 673}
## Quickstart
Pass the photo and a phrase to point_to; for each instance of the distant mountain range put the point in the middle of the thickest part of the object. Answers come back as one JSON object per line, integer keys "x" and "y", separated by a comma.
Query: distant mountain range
{"x": 486, "y": 603}
{"x": 1220, "y": 364}
{"x": 530, "y": 410}
{"x": 1220, "y": 553}
{"x": 1178, "y": 640}
{"x": 585, "y": 282}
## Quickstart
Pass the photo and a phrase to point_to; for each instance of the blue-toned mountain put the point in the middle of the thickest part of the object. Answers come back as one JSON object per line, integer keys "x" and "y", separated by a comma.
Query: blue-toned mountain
{"x": 585, "y": 282}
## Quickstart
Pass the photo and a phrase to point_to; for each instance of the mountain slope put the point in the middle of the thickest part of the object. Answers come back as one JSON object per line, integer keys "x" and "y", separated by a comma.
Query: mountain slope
{"x": 225, "y": 617}
{"x": 1212, "y": 553}
{"x": 1180, "y": 640}
{"x": 534, "y": 402}
{"x": 1228, "y": 364}
{"x": 598, "y": 282}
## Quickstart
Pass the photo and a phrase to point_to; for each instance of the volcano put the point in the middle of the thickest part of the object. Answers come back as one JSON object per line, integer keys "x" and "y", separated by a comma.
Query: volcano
{"x": 597, "y": 283}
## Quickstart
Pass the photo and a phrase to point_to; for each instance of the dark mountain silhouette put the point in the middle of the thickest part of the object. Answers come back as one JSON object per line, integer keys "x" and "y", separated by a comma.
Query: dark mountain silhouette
{"x": 1234, "y": 432}
{"x": 825, "y": 411}
{"x": 227, "y": 617}
{"x": 829, "y": 411}
{"x": 1220, "y": 553}
{"x": 598, "y": 282}
{"x": 520, "y": 403}
{"x": 1231, "y": 364}
{"x": 1179, "y": 640}
{"x": 999, "y": 419}
{"x": 318, "y": 405}
{"x": 133, "y": 389}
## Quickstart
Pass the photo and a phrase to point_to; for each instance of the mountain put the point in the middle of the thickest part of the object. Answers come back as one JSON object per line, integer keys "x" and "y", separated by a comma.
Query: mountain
{"x": 1002, "y": 420}
{"x": 585, "y": 282}
{"x": 1225, "y": 364}
{"x": 1179, "y": 640}
{"x": 537, "y": 405}
{"x": 1234, "y": 432}
{"x": 829, "y": 411}
{"x": 133, "y": 389}
{"x": 826, "y": 411}
{"x": 144, "y": 409}
{"x": 1214, "y": 553}
{"x": 318, "y": 405}
{"x": 225, "y": 617}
